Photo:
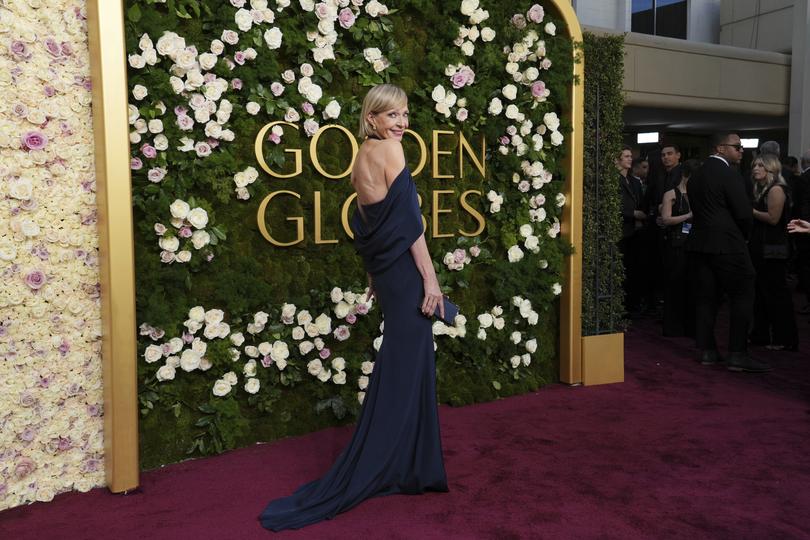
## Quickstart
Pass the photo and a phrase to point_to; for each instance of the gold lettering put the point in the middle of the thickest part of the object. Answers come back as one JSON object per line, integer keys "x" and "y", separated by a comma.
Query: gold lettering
{"x": 465, "y": 146}
{"x": 318, "y": 238}
{"x": 298, "y": 220}
{"x": 473, "y": 212}
{"x": 313, "y": 151}
{"x": 437, "y": 153}
{"x": 259, "y": 150}
{"x": 344, "y": 215}
{"x": 436, "y": 210}
{"x": 422, "y": 151}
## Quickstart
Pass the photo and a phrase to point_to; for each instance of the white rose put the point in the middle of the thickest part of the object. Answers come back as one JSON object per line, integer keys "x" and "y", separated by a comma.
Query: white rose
{"x": 324, "y": 324}
{"x": 252, "y": 351}
{"x": 371, "y": 54}
{"x": 161, "y": 142}
{"x": 237, "y": 339}
{"x": 249, "y": 369}
{"x": 468, "y": 48}
{"x": 532, "y": 244}
{"x": 515, "y": 361}
{"x": 485, "y": 320}
{"x": 378, "y": 343}
{"x": 252, "y": 385}
{"x": 252, "y": 107}
{"x": 550, "y": 29}
{"x": 189, "y": 360}
{"x": 324, "y": 375}
{"x": 288, "y": 76}
{"x": 139, "y": 92}
{"x": 230, "y": 378}
{"x": 531, "y": 345}
{"x": 556, "y": 138}
{"x": 512, "y": 111}
{"x": 487, "y": 34}
{"x": 556, "y": 288}
{"x": 179, "y": 209}
{"x": 153, "y": 353}
{"x": 169, "y": 243}
{"x": 298, "y": 333}
{"x": 200, "y": 239}
{"x": 515, "y": 337}
{"x": 362, "y": 382}
{"x": 526, "y": 230}
{"x": 515, "y": 254}
{"x": 332, "y": 110}
{"x": 165, "y": 373}
{"x": 22, "y": 189}
{"x": 221, "y": 388}
{"x": 198, "y": 218}
{"x": 367, "y": 367}
{"x": 499, "y": 323}
{"x": 217, "y": 47}
{"x": 482, "y": 334}
{"x": 273, "y": 38}
{"x": 243, "y": 19}
{"x": 509, "y": 91}
{"x": 183, "y": 256}
{"x": 532, "y": 318}
{"x": 551, "y": 120}
{"x": 495, "y": 107}
{"x": 468, "y": 7}
{"x": 305, "y": 347}
{"x": 342, "y": 310}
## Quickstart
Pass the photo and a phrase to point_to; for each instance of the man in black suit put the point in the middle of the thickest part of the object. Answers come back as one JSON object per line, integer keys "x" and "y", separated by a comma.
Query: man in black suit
{"x": 632, "y": 221}
{"x": 718, "y": 251}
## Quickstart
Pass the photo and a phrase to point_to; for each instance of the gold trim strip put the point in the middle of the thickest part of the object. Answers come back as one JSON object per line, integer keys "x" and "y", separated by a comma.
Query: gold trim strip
{"x": 571, "y": 226}
{"x": 116, "y": 242}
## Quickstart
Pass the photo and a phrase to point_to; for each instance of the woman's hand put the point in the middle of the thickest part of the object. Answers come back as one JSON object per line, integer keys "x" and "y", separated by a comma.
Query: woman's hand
{"x": 433, "y": 298}
{"x": 799, "y": 226}
{"x": 370, "y": 290}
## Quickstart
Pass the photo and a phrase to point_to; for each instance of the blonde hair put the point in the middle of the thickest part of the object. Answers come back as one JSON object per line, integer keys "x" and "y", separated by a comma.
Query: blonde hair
{"x": 773, "y": 168}
{"x": 380, "y": 98}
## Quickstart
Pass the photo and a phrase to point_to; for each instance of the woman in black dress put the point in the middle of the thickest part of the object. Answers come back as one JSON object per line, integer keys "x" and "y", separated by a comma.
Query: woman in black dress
{"x": 774, "y": 320}
{"x": 679, "y": 316}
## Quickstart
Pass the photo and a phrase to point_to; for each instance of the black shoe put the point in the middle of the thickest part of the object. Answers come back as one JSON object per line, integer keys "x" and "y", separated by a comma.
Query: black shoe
{"x": 710, "y": 357}
{"x": 738, "y": 361}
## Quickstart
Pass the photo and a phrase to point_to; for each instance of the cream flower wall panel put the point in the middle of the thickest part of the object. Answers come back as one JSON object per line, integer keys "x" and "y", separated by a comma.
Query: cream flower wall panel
{"x": 51, "y": 437}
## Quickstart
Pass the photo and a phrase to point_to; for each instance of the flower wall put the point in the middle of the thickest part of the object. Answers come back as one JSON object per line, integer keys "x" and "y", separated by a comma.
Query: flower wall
{"x": 243, "y": 340}
{"x": 51, "y": 436}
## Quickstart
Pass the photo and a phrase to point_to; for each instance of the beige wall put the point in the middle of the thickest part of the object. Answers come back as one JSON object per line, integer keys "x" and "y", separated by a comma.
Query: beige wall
{"x": 678, "y": 74}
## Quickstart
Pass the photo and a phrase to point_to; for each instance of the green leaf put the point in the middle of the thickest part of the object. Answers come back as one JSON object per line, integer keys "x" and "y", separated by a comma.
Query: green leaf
{"x": 134, "y": 13}
{"x": 496, "y": 385}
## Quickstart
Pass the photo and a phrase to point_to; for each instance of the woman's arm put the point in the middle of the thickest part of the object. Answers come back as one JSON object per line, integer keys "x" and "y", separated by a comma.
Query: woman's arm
{"x": 666, "y": 210}
{"x": 776, "y": 203}
{"x": 433, "y": 294}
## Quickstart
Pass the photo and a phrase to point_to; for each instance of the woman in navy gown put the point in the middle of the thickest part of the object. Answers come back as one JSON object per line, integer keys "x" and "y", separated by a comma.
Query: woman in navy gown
{"x": 396, "y": 447}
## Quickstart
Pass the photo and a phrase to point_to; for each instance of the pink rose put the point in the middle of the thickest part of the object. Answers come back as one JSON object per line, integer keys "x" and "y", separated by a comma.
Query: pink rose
{"x": 185, "y": 232}
{"x": 274, "y": 138}
{"x": 35, "y": 279}
{"x": 351, "y": 318}
{"x": 53, "y": 47}
{"x": 180, "y": 110}
{"x": 239, "y": 57}
{"x": 362, "y": 309}
{"x": 34, "y": 140}
{"x": 166, "y": 257}
{"x": 475, "y": 251}
{"x": 160, "y": 229}
{"x": 277, "y": 88}
{"x": 24, "y": 467}
{"x": 519, "y": 21}
{"x": 237, "y": 3}
{"x": 49, "y": 91}
{"x": 136, "y": 164}
{"x": 267, "y": 360}
{"x": 149, "y": 151}
{"x": 458, "y": 79}
{"x": 307, "y": 108}
{"x": 462, "y": 114}
{"x": 67, "y": 49}
{"x": 538, "y": 89}
{"x": 459, "y": 255}
{"x": 20, "y": 110}
{"x": 156, "y": 174}
{"x": 20, "y": 50}
{"x": 185, "y": 122}
{"x": 504, "y": 139}
{"x": 236, "y": 84}
{"x": 535, "y": 13}
{"x": 325, "y": 353}
{"x": 346, "y": 18}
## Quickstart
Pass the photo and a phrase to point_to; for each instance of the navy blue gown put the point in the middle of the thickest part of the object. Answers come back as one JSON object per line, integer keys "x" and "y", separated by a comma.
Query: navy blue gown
{"x": 396, "y": 447}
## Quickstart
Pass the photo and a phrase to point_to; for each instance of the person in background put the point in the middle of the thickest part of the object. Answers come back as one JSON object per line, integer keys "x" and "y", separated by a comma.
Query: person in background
{"x": 801, "y": 212}
{"x": 774, "y": 320}
{"x": 679, "y": 316}
{"x": 632, "y": 221}
{"x": 799, "y": 226}
{"x": 646, "y": 238}
{"x": 671, "y": 159}
{"x": 718, "y": 254}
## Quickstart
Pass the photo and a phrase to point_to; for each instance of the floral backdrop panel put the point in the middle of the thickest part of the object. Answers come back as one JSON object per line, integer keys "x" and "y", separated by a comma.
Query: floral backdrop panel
{"x": 252, "y": 306}
{"x": 51, "y": 436}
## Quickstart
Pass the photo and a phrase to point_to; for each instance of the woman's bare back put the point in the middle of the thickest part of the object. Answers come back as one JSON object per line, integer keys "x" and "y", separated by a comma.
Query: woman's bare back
{"x": 376, "y": 167}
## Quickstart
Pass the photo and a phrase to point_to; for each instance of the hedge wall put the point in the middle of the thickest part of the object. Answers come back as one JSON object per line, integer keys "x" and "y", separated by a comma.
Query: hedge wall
{"x": 224, "y": 313}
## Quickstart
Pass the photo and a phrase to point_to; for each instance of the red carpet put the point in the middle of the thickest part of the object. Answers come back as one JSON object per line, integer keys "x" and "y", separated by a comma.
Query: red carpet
{"x": 678, "y": 451}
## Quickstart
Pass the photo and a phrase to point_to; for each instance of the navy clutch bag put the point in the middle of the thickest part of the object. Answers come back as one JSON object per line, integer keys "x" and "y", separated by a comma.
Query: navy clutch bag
{"x": 450, "y": 312}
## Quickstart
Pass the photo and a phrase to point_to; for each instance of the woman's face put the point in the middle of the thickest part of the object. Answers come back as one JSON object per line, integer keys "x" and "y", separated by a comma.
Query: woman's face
{"x": 758, "y": 171}
{"x": 625, "y": 160}
{"x": 390, "y": 124}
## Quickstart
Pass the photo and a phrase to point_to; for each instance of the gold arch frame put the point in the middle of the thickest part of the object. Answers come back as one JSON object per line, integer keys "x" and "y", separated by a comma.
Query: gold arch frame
{"x": 116, "y": 241}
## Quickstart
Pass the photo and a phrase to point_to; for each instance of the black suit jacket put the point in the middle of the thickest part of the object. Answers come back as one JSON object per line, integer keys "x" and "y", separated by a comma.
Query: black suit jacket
{"x": 631, "y": 201}
{"x": 721, "y": 210}
{"x": 801, "y": 196}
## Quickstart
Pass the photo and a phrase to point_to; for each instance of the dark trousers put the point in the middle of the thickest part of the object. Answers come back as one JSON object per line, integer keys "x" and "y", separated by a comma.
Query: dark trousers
{"x": 679, "y": 307}
{"x": 630, "y": 250}
{"x": 713, "y": 274}
{"x": 774, "y": 320}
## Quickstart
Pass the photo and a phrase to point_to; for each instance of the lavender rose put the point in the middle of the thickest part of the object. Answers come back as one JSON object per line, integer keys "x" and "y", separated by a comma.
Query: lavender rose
{"x": 20, "y": 50}
{"x": 346, "y": 18}
{"x": 34, "y": 140}
{"x": 35, "y": 279}
{"x": 24, "y": 467}
{"x": 535, "y": 13}
{"x": 136, "y": 164}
